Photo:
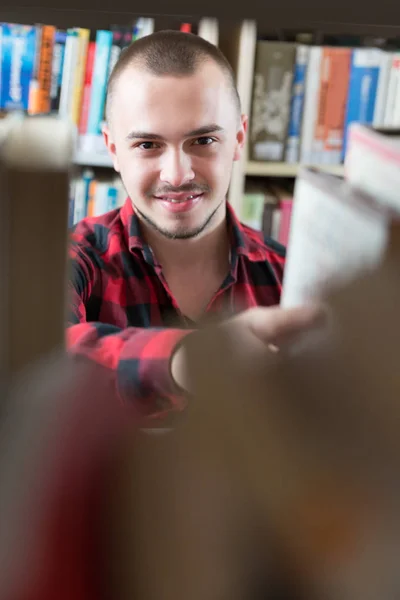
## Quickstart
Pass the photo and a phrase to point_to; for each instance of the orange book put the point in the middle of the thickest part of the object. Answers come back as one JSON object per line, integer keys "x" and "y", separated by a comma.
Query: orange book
{"x": 319, "y": 136}
{"x": 87, "y": 87}
{"x": 336, "y": 99}
{"x": 39, "y": 100}
{"x": 91, "y": 198}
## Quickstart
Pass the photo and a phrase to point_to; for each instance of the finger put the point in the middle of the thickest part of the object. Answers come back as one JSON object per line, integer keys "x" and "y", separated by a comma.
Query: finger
{"x": 275, "y": 324}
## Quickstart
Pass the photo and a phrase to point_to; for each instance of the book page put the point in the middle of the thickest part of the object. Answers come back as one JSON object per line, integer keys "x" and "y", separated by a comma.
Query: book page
{"x": 330, "y": 240}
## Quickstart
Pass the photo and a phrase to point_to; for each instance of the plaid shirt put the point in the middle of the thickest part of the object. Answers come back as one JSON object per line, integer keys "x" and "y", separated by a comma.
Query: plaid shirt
{"x": 123, "y": 316}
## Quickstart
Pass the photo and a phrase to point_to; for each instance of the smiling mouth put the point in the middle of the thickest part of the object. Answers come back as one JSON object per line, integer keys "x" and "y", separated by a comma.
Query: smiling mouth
{"x": 178, "y": 198}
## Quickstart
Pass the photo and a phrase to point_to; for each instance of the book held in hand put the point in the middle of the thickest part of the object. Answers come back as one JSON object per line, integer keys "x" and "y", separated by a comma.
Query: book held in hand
{"x": 336, "y": 232}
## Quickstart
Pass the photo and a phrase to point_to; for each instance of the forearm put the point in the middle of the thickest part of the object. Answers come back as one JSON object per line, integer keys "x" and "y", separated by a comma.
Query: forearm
{"x": 140, "y": 360}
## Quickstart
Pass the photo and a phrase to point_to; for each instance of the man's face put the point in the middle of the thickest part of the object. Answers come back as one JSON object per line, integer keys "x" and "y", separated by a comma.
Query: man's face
{"x": 173, "y": 140}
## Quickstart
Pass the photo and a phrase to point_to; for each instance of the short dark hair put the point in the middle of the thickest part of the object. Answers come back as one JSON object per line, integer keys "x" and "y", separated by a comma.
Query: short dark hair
{"x": 170, "y": 52}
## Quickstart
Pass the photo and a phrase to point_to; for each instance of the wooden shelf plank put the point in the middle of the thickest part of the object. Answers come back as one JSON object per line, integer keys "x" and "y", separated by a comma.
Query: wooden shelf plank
{"x": 290, "y": 14}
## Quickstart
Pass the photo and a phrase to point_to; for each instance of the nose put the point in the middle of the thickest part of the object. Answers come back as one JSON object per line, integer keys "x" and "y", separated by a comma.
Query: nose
{"x": 176, "y": 168}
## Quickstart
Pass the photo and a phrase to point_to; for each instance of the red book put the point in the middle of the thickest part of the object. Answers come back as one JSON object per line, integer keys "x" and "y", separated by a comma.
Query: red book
{"x": 87, "y": 87}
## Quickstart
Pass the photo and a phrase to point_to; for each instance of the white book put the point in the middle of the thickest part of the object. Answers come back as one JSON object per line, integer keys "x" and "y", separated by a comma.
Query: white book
{"x": 208, "y": 29}
{"x": 336, "y": 232}
{"x": 68, "y": 74}
{"x": 382, "y": 90}
{"x": 372, "y": 162}
{"x": 393, "y": 86}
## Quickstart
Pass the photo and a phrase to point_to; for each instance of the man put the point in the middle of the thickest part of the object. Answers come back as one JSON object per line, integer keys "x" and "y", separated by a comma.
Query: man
{"x": 175, "y": 255}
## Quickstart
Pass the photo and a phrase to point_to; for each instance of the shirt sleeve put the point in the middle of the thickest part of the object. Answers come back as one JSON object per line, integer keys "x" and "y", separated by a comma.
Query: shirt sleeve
{"x": 139, "y": 357}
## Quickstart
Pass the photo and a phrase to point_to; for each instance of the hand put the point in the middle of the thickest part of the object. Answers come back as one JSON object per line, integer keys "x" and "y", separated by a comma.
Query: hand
{"x": 252, "y": 332}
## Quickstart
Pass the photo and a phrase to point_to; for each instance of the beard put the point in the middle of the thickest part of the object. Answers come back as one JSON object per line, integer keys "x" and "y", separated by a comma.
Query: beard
{"x": 183, "y": 233}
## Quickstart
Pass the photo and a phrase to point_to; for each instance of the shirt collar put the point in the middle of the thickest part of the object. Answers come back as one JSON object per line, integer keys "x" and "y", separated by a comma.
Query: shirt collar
{"x": 244, "y": 240}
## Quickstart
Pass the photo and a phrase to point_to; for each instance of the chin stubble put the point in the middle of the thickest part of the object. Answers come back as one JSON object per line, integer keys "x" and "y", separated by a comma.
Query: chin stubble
{"x": 179, "y": 235}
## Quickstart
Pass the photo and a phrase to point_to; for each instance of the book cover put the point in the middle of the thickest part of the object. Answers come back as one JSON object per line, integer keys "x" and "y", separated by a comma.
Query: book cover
{"x": 272, "y": 92}
{"x": 310, "y": 150}
{"x": 336, "y": 73}
{"x": 363, "y": 84}
{"x": 99, "y": 81}
{"x": 337, "y": 231}
{"x": 373, "y": 162}
{"x": 40, "y": 101}
{"x": 57, "y": 69}
{"x": 292, "y": 151}
{"x": 18, "y": 56}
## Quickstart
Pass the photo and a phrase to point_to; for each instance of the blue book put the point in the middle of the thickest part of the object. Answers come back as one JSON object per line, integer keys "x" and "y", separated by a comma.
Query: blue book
{"x": 112, "y": 198}
{"x": 18, "y": 59}
{"x": 104, "y": 40}
{"x": 364, "y": 75}
{"x": 292, "y": 151}
{"x": 57, "y": 68}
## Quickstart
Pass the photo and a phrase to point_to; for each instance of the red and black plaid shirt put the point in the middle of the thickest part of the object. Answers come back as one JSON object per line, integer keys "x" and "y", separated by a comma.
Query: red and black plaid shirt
{"x": 123, "y": 316}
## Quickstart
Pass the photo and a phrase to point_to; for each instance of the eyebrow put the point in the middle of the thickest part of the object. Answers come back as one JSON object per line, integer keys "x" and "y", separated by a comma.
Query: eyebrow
{"x": 134, "y": 135}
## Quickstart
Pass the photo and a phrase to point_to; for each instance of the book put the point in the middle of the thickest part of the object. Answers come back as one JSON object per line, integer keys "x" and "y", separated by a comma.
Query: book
{"x": 337, "y": 232}
{"x": 292, "y": 151}
{"x": 271, "y": 101}
{"x": 373, "y": 162}
{"x": 363, "y": 85}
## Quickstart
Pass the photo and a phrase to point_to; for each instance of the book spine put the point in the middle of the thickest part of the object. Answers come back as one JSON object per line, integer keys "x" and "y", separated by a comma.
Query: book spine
{"x": 112, "y": 198}
{"x": 90, "y": 211}
{"x": 18, "y": 62}
{"x": 286, "y": 205}
{"x": 57, "y": 69}
{"x": 68, "y": 73}
{"x": 362, "y": 93}
{"x": 253, "y": 209}
{"x": 381, "y": 94}
{"x": 392, "y": 90}
{"x": 79, "y": 201}
{"x": 396, "y": 107}
{"x": 34, "y": 80}
{"x": 116, "y": 48}
{"x": 118, "y": 44}
{"x": 99, "y": 81}
{"x": 311, "y": 99}
{"x": 336, "y": 98}
{"x": 272, "y": 91}
{"x": 42, "y": 100}
{"x": 319, "y": 134}
{"x": 78, "y": 82}
{"x": 292, "y": 151}
{"x": 87, "y": 88}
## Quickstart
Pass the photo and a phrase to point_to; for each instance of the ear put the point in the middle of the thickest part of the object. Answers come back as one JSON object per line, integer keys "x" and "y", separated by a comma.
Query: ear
{"x": 241, "y": 137}
{"x": 108, "y": 140}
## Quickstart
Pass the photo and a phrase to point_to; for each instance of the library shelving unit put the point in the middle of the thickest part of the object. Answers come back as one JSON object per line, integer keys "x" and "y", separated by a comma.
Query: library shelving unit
{"x": 236, "y": 35}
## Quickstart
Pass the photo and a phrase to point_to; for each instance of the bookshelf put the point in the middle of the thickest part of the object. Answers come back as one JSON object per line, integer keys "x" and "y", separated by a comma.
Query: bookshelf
{"x": 237, "y": 36}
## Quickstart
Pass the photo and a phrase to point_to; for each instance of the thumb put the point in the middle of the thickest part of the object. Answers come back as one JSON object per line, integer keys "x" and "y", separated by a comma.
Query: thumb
{"x": 274, "y": 325}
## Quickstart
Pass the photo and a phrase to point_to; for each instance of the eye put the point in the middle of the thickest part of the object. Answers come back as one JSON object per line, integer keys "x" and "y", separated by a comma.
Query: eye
{"x": 204, "y": 141}
{"x": 146, "y": 145}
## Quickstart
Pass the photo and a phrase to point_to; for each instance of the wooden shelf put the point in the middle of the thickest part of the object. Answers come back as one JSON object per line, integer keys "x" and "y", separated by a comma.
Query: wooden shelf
{"x": 93, "y": 159}
{"x": 281, "y": 169}
{"x": 92, "y": 152}
{"x": 307, "y": 15}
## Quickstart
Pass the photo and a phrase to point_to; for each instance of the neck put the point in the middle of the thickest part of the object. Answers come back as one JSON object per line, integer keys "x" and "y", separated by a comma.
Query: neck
{"x": 211, "y": 244}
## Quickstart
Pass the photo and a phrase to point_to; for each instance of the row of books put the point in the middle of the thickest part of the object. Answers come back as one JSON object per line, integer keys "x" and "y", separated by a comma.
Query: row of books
{"x": 92, "y": 195}
{"x": 267, "y": 207}
{"x": 45, "y": 69}
{"x": 305, "y": 97}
